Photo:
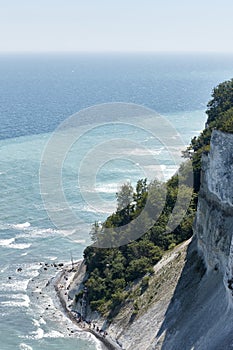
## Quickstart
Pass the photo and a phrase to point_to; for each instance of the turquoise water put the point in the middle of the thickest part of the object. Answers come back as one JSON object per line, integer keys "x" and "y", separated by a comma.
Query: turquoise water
{"x": 36, "y": 94}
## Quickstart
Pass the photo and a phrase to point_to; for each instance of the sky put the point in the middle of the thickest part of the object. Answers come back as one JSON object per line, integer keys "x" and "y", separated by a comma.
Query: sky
{"x": 116, "y": 25}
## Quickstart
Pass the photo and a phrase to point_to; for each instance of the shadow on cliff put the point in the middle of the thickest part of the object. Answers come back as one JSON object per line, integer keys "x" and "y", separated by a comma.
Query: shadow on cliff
{"x": 183, "y": 301}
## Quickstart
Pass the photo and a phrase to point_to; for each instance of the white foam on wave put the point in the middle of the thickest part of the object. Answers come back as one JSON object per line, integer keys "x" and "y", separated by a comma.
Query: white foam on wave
{"x": 24, "y": 346}
{"x": 79, "y": 241}
{"x": 39, "y": 322}
{"x": 100, "y": 210}
{"x": 6, "y": 242}
{"x": 107, "y": 188}
{"x": 54, "y": 334}
{"x": 89, "y": 336}
{"x": 40, "y": 231}
{"x": 100, "y": 188}
{"x": 9, "y": 243}
{"x": 16, "y": 286}
{"x": 36, "y": 232}
{"x": 17, "y": 300}
{"x": 4, "y": 226}
{"x": 66, "y": 232}
{"x": 98, "y": 344}
{"x": 36, "y": 322}
{"x": 51, "y": 258}
{"x": 141, "y": 152}
{"x": 22, "y": 226}
{"x": 38, "y": 334}
{"x": 20, "y": 245}
{"x": 4, "y": 269}
{"x": 24, "y": 254}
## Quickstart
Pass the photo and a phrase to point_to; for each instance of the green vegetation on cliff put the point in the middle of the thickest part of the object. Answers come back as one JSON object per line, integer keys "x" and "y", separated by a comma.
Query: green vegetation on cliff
{"x": 112, "y": 271}
{"x": 220, "y": 117}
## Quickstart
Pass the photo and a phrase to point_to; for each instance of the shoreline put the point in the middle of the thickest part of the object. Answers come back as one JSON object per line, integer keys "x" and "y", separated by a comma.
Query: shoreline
{"x": 62, "y": 288}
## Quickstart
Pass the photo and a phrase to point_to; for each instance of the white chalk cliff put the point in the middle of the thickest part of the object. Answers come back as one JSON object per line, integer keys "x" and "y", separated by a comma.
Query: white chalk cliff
{"x": 200, "y": 315}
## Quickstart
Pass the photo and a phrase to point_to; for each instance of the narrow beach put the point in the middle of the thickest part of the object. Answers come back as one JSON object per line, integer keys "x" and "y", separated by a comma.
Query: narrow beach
{"x": 62, "y": 283}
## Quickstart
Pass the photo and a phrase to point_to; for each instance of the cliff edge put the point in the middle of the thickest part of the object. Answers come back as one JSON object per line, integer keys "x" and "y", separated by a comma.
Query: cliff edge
{"x": 202, "y": 318}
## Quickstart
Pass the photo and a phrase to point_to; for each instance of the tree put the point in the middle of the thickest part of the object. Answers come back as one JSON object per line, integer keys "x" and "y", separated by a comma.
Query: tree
{"x": 124, "y": 196}
{"x": 141, "y": 194}
{"x": 222, "y": 101}
{"x": 95, "y": 231}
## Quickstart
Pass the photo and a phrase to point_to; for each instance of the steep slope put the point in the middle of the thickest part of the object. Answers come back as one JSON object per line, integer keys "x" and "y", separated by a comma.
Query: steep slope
{"x": 137, "y": 330}
{"x": 203, "y": 317}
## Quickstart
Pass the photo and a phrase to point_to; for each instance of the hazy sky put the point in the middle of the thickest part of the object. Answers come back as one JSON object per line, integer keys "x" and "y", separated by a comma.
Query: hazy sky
{"x": 116, "y": 25}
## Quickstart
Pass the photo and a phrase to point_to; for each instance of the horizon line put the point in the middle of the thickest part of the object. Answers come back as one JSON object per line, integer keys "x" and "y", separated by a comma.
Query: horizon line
{"x": 112, "y": 52}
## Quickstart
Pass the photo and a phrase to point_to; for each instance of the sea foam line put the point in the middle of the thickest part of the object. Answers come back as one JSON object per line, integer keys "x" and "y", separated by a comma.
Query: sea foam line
{"x": 17, "y": 300}
{"x": 9, "y": 243}
{"x": 22, "y": 226}
{"x": 6, "y": 242}
{"x": 17, "y": 286}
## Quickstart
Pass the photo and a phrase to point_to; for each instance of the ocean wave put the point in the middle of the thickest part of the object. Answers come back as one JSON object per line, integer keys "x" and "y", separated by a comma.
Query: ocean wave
{"x": 93, "y": 339}
{"x": 4, "y": 269}
{"x": 24, "y": 254}
{"x": 17, "y": 300}
{"x": 16, "y": 286}
{"x": 22, "y": 226}
{"x": 37, "y": 323}
{"x": 108, "y": 188}
{"x": 79, "y": 241}
{"x": 52, "y": 258}
{"x": 24, "y": 346}
{"x": 36, "y": 232}
{"x": 4, "y": 226}
{"x": 101, "y": 209}
{"x": 141, "y": 152}
{"x": 66, "y": 232}
{"x": 20, "y": 245}
{"x": 6, "y": 242}
{"x": 9, "y": 243}
{"x": 38, "y": 334}
{"x": 54, "y": 334}
{"x": 42, "y": 321}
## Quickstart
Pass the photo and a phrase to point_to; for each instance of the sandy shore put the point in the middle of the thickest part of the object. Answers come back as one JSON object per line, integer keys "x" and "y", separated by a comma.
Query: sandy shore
{"x": 62, "y": 284}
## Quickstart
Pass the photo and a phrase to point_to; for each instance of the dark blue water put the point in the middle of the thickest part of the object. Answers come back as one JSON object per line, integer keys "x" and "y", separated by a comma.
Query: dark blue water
{"x": 37, "y": 92}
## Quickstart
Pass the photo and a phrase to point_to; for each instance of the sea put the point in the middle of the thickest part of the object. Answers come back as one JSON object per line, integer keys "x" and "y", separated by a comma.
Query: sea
{"x": 39, "y": 92}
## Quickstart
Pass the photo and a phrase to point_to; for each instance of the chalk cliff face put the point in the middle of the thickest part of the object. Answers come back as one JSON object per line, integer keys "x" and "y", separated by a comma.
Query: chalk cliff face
{"x": 200, "y": 315}
{"x": 214, "y": 219}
